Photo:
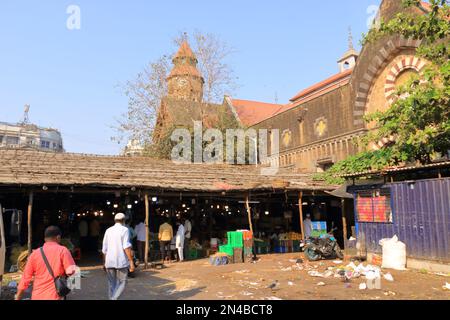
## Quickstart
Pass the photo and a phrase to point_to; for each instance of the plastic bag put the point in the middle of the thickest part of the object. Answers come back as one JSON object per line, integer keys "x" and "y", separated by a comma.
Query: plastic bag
{"x": 394, "y": 254}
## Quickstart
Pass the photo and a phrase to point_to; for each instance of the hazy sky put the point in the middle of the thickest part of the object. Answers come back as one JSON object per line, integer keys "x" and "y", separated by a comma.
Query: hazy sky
{"x": 70, "y": 77}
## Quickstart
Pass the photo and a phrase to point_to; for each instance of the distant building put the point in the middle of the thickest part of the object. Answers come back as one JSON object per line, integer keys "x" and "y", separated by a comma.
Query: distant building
{"x": 29, "y": 136}
{"x": 133, "y": 149}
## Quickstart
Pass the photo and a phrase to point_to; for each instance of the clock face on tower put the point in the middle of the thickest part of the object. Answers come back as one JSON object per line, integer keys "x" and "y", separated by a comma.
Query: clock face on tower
{"x": 182, "y": 83}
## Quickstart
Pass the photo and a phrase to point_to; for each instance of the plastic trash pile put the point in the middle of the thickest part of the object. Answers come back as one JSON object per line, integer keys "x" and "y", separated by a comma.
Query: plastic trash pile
{"x": 394, "y": 254}
{"x": 372, "y": 274}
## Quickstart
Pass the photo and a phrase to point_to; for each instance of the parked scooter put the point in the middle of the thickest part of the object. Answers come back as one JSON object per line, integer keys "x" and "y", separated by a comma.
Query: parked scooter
{"x": 325, "y": 247}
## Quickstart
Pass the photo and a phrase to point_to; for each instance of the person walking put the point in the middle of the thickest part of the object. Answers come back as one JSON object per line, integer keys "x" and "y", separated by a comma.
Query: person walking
{"x": 180, "y": 241}
{"x": 141, "y": 233}
{"x": 187, "y": 236}
{"x": 165, "y": 237}
{"x": 117, "y": 257}
{"x": 307, "y": 225}
{"x": 59, "y": 260}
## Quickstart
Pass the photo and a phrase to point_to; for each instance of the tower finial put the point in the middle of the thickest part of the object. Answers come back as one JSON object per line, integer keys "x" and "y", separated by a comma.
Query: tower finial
{"x": 350, "y": 38}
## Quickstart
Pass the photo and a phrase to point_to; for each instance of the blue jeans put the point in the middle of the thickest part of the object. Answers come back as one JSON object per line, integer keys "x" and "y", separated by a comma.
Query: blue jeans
{"x": 117, "y": 280}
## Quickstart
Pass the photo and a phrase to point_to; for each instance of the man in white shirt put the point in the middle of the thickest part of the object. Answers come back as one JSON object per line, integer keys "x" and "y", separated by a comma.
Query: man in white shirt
{"x": 117, "y": 256}
{"x": 307, "y": 225}
{"x": 179, "y": 242}
{"x": 187, "y": 236}
{"x": 141, "y": 233}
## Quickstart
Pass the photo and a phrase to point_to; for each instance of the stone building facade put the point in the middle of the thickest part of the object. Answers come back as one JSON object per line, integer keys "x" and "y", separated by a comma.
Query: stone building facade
{"x": 184, "y": 103}
{"x": 320, "y": 125}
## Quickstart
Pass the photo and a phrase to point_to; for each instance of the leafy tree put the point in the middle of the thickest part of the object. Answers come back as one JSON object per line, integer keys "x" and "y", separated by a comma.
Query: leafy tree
{"x": 416, "y": 128}
{"x": 146, "y": 91}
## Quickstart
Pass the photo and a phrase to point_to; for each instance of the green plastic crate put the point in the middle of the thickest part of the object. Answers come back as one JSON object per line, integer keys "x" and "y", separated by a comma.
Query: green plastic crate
{"x": 235, "y": 239}
{"x": 229, "y": 250}
{"x": 192, "y": 254}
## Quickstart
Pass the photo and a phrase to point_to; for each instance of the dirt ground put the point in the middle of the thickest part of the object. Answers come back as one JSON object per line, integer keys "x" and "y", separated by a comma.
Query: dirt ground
{"x": 198, "y": 280}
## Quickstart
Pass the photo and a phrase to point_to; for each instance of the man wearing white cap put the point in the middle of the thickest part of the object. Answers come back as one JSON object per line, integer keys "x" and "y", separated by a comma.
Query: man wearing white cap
{"x": 117, "y": 256}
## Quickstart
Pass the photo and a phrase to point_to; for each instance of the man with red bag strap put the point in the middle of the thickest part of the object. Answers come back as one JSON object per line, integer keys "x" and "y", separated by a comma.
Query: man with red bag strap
{"x": 60, "y": 261}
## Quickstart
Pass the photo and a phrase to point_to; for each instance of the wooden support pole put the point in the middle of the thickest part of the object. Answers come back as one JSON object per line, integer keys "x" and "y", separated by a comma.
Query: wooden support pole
{"x": 147, "y": 223}
{"x": 30, "y": 216}
{"x": 300, "y": 210}
{"x": 344, "y": 219}
{"x": 249, "y": 213}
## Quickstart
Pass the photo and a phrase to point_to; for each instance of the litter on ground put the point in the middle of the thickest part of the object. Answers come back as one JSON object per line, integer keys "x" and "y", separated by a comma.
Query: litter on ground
{"x": 242, "y": 271}
{"x": 321, "y": 284}
{"x": 286, "y": 269}
{"x": 388, "y": 277}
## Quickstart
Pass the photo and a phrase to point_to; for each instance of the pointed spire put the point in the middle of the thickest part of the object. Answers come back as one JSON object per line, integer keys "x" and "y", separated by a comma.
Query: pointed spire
{"x": 350, "y": 39}
{"x": 348, "y": 60}
{"x": 185, "y": 51}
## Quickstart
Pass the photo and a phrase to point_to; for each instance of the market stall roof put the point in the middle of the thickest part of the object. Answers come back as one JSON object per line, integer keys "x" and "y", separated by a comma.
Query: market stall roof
{"x": 393, "y": 170}
{"x": 341, "y": 192}
{"x": 31, "y": 168}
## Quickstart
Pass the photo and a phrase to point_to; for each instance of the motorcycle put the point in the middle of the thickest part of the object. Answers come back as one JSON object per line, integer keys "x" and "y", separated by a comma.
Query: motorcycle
{"x": 325, "y": 247}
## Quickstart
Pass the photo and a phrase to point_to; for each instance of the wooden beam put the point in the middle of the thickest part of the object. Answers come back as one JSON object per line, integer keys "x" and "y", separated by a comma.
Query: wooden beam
{"x": 249, "y": 213}
{"x": 30, "y": 216}
{"x": 300, "y": 209}
{"x": 344, "y": 220}
{"x": 147, "y": 222}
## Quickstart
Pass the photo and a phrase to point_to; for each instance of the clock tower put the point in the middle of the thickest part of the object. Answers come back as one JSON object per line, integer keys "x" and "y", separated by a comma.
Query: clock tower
{"x": 185, "y": 81}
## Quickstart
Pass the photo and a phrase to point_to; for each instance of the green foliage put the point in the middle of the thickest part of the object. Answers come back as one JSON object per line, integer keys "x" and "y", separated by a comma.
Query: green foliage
{"x": 364, "y": 161}
{"x": 162, "y": 149}
{"x": 417, "y": 125}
